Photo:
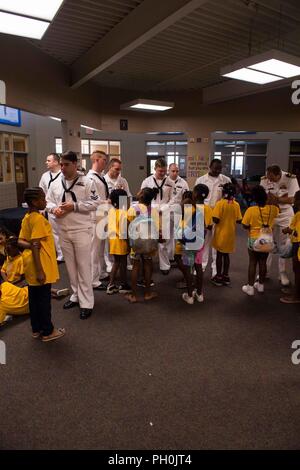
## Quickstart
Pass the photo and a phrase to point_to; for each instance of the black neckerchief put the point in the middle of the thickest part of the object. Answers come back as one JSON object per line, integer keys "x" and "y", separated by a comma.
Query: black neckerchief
{"x": 160, "y": 188}
{"x": 53, "y": 179}
{"x": 69, "y": 190}
{"x": 103, "y": 180}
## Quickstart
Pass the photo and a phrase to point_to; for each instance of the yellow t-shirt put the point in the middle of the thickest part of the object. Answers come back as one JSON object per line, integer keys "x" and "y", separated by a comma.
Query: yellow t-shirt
{"x": 13, "y": 268}
{"x": 207, "y": 222}
{"x": 295, "y": 225}
{"x": 228, "y": 213}
{"x": 117, "y": 232}
{"x": 13, "y": 300}
{"x": 256, "y": 216}
{"x": 36, "y": 226}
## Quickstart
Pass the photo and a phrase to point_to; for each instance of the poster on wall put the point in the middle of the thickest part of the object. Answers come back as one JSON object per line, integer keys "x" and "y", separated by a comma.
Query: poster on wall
{"x": 10, "y": 116}
{"x": 196, "y": 166}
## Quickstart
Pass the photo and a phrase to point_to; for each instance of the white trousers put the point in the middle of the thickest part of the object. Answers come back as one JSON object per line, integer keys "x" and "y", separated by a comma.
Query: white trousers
{"x": 206, "y": 251}
{"x": 280, "y": 239}
{"x": 97, "y": 258}
{"x": 76, "y": 248}
{"x": 164, "y": 250}
{"x": 55, "y": 231}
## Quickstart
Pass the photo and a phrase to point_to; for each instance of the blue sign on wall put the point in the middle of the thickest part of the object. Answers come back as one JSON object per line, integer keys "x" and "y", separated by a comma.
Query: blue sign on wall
{"x": 10, "y": 116}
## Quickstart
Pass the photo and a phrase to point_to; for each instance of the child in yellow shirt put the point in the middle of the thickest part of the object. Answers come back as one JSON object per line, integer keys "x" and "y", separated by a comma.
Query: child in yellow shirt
{"x": 226, "y": 214}
{"x": 13, "y": 301}
{"x": 151, "y": 215}
{"x": 118, "y": 241}
{"x": 40, "y": 265}
{"x": 4, "y": 236}
{"x": 192, "y": 258}
{"x": 255, "y": 217}
{"x": 294, "y": 230}
{"x": 13, "y": 269}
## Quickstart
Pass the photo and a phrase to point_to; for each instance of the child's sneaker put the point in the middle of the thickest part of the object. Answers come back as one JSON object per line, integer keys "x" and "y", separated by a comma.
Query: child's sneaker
{"x": 249, "y": 290}
{"x": 124, "y": 289}
{"x": 259, "y": 287}
{"x": 112, "y": 289}
{"x": 187, "y": 298}
{"x": 198, "y": 297}
{"x": 217, "y": 280}
{"x": 226, "y": 280}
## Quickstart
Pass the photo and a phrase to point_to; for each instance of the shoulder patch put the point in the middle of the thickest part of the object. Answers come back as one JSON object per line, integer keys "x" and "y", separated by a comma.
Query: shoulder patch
{"x": 290, "y": 175}
{"x": 263, "y": 178}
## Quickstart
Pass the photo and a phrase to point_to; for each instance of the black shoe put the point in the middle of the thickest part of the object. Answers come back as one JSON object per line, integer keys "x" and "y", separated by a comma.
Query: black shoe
{"x": 69, "y": 304}
{"x": 165, "y": 272}
{"x": 101, "y": 286}
{"x": 85, "y": 313}
{"x": 142, "y": 283}
{"x": 124, "y": 289}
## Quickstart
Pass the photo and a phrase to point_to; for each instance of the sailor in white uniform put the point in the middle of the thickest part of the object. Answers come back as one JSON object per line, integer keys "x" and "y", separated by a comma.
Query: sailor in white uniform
{"x": 113, "y": 177}
{"x": 180, "y": 184}
{"x": 214, "y": 180}
{"x": 99, "y": 161}
{"x": 281, "y": 187}
{"x": 72, "y": 199}
{"x": 53, "y": 173}
{"x": 164, "y": 201}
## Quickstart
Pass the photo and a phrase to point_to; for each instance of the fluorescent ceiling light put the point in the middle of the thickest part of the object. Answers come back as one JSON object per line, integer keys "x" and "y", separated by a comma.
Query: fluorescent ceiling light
{"x": 88, "y": 127}
{"x": 253, "y": 76}
{"x": 277, "y": 67}
{"x": 151, "y": 107}
{"x": 22, "y": 26}
{"x": 41, "y": 9}
{"x": 267, "y": 67}
{"x": 148, "y": 105}
{"x": 55, "y": 118}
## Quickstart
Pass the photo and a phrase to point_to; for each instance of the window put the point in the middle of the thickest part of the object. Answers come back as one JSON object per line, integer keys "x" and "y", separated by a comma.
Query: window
{"x": 294, "y": 160}
{"x": 111, "y": 147}
{"x": 58, "y": 145}
{"x": 241, "y": 158}
{"x": 11, "y": 145}
{"x": 172, "y": 151}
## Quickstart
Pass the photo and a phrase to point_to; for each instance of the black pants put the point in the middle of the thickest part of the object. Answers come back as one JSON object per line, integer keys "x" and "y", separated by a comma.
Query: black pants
{"x": 40, "y": 309}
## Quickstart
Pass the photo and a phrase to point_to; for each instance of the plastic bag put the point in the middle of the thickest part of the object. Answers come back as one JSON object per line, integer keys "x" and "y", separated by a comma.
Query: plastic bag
{"x": 265, "y": 241}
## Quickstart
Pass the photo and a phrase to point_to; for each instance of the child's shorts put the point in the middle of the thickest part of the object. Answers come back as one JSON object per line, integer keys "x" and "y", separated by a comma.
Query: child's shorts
{"x": 190, "y": 257}
{"x": 141, "y": 256}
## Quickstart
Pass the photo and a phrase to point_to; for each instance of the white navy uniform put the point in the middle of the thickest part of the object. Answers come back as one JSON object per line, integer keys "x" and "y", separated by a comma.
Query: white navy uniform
{"x": 98, "y": 244}
{"x": 45, "y": 182}
{"x": 180, "y": 187}
{"x": 165, "y": 198}
{"x": 215, "y": 186}
{"x": 118, "y": 183}
{"x": 287, "y": 185}
{"x": 75, "y": 232}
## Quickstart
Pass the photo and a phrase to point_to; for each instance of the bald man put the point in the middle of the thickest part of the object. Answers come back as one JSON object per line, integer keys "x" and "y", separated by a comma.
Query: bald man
{"x": 180, "y": 185}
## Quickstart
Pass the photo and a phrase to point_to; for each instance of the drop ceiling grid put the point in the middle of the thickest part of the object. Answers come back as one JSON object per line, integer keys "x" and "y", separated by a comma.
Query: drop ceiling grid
{"x": 81, "y": 23}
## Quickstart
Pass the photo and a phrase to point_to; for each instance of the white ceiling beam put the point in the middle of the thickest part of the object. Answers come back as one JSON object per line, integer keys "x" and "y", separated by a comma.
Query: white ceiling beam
{"x": 143, "y": 23}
